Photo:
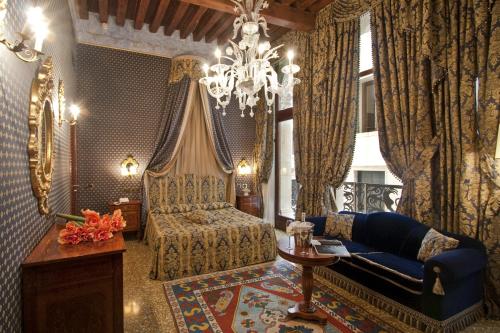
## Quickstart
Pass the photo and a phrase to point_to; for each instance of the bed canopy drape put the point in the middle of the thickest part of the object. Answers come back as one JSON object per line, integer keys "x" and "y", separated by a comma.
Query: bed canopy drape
{"x": 191, "y": 138}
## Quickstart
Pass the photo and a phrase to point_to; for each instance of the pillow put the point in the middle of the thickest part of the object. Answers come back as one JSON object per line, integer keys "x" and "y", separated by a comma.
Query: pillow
{"x": 435, "y": 243}
{"x": 339, "y": 225}
{"x": 199, "y": 216}
{"x": 213, "y": 205}
{"x": 180, "y": 208}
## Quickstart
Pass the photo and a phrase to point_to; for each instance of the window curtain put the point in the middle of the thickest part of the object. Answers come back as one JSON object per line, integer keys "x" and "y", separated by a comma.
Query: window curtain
{"x": 407, "y": 137}
{"x": 263, "y": 154}
{"x": 437, "y": 127}
{"x": 325, "y": 106}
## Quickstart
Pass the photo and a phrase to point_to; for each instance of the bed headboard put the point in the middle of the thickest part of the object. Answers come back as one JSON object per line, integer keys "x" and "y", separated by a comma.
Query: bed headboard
{"x": 170, "y": 190}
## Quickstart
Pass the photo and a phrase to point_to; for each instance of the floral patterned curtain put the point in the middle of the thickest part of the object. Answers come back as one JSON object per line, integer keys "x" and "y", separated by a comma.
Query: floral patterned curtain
{"x": 437, "y": 128}
{"x": 263, "y": 153}
{"x": 325, "y": 107}
{"x": 407, "y": 137}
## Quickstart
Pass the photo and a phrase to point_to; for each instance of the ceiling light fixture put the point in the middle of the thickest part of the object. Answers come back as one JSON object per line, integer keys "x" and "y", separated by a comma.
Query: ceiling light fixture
{"x": 249, "y": 70}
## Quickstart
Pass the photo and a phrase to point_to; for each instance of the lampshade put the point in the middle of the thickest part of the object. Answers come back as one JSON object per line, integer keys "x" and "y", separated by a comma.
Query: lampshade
{"x": 129, "y": 166}
{"x": 244, "y": 168}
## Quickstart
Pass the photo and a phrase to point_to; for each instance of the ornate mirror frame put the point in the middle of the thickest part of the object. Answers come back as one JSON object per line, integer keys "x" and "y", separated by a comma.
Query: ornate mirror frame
{"x": 41, "y": 135}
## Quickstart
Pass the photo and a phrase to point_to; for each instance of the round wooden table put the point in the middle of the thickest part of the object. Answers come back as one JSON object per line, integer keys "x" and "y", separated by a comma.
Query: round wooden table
{"x": 305, "y": 309}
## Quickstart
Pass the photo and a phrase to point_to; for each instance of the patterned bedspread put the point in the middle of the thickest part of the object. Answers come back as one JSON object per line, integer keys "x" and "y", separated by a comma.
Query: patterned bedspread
{"x": 184, "y": 248}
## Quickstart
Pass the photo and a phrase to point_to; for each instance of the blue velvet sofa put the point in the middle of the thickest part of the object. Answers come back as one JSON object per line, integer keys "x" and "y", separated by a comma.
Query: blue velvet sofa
{"x": 384, "y": 249}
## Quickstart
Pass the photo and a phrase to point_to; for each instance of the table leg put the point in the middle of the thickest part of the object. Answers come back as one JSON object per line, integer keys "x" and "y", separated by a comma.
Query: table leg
{"x": 305, "y": 309}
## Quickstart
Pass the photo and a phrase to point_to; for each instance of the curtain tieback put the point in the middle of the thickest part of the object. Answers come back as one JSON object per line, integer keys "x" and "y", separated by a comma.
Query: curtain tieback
{"x": 416, "y": 167}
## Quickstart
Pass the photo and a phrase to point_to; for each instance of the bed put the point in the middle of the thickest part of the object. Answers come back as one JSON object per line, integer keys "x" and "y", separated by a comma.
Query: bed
{"x": 192, "y": 230}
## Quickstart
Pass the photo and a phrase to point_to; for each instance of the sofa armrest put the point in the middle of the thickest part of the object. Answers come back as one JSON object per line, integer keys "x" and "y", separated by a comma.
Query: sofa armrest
{"x": 454, "y": 264}
{"x": 319, "y": 224}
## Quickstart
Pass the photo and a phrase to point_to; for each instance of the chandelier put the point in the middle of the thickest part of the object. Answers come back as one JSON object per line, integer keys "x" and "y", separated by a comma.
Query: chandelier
{"x": 246, "y": 66}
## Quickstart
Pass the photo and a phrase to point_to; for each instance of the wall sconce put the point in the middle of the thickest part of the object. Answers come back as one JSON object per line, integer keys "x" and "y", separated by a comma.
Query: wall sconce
{"x": 35, "y": 29}
{"x": 74, "y": 110}
{"x": 244, "y": 169}
{"x": 129, "y": 166}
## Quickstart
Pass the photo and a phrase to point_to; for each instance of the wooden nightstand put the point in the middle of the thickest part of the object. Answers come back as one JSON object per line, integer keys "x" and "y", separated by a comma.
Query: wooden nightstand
{"x": 249, "y": 204}
{"x": 131, "y": 212}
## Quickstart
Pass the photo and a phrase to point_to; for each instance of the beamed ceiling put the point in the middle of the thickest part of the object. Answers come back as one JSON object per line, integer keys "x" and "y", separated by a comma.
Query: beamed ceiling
{"x": 205, "y": 20}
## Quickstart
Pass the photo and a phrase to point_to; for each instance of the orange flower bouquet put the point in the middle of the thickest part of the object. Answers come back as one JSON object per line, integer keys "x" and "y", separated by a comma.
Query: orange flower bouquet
{"x": 92, "y": 227}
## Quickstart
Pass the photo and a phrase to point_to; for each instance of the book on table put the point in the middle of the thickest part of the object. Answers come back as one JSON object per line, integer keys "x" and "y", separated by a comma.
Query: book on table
{"x": 331, "y": 246}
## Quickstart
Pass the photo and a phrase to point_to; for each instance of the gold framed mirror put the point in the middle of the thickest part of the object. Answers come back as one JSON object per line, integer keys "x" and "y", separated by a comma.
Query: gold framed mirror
{"x": 41, "y": 137}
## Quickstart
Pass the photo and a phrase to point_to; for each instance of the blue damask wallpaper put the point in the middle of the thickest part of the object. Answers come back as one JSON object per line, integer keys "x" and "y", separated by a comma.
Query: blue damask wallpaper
{"x": 124, "y": 94}
{"x": 21, "y": 227}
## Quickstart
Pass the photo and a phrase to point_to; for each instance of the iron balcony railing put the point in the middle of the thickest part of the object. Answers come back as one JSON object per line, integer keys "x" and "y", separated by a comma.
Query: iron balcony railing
{"x": 368, "y": 198}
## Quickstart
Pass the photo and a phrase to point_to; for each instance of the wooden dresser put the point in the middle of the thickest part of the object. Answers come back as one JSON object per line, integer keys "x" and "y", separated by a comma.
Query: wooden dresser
{"x": 73, "y": 288}
{"x": 131, "y": 212}
{"x": 249, "y": 204}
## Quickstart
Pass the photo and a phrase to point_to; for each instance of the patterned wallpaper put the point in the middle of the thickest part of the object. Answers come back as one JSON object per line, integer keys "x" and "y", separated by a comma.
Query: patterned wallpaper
{"x": 240, "y": 134}
{"x": 21, "y": 227}
{"x": 123, "y": 95}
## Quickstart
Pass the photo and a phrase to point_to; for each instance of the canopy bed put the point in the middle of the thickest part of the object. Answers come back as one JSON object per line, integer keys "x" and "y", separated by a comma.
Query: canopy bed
{"x": 192, "y": 227}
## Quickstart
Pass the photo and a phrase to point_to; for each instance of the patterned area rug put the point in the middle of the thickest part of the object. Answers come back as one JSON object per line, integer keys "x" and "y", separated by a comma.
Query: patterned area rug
{"x": 256, "y": 298}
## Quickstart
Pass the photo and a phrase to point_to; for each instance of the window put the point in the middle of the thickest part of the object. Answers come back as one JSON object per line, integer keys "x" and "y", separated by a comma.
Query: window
{"x": 286, "y": 173}
{"x": 286, "y": 190}
{"x": 369, "y": 186}
{"x": 368, "y": 115}
{"x": 371, "y": 177}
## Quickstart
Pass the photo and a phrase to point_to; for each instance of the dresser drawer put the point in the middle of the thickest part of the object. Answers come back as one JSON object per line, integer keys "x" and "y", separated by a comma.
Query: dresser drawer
{"x": 132, "y": 219}
{"x": 249, "y": 204}
{"x": 131, "y": 212}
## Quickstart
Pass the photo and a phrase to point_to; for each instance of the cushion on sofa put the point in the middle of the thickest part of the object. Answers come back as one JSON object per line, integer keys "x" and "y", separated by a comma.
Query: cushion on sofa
{"x": 355, "y": 247}
{"x": 402, "y": 272}
{"x": 435, "y": 243}
{"x": 385, "y": 231}
{"x": 339, "y": 225}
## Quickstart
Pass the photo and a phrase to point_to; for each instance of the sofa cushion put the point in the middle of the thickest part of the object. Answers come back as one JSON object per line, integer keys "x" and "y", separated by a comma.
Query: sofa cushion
{"x": 411, "y": 245}
{"x": 355, "y": 247}
{"x": 386, "y": 232}
{"x": 402, "y": 272}
{"x": 435, "y": 243}
{"x": 339, "y": 225}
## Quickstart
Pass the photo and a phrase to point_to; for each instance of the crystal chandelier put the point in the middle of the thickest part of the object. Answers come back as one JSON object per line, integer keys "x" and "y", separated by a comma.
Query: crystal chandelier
{"x": 246, "y": 68}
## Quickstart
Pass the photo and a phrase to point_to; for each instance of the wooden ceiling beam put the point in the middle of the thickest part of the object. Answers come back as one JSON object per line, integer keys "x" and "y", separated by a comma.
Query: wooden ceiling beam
{"x": 219, "y": 29}
{"x": 225, "y": 36}
{"x": 103, "y": 11}
{"x": 193, "y": 23}
{"x": 319, "y": 5}
{"x": 176, "y": 19}
{"x": 159, "y": 15}
{"x": 278, "y": 33}
{"x": 305, "y": 3}
{"x": 121, "y": 11}
{"x": 83, "y": 9}
{"x": 142, "y": 9}
{"x": 205, "y": 25}
{"x": 284, "y": 16}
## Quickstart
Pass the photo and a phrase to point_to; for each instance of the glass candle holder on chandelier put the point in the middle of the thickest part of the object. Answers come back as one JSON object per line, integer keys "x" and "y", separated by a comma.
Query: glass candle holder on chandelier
{"x": 248, "y": 70}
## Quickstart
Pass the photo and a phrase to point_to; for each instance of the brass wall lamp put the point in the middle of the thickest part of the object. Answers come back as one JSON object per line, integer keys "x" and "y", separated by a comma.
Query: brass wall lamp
{"x": 74, "y": 109}
{"x": 129, "y": 166}
{"x": 36, "y": 28}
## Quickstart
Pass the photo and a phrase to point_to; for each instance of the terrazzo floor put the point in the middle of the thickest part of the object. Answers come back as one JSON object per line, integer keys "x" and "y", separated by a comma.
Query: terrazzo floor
{"x": 146, "y": 308}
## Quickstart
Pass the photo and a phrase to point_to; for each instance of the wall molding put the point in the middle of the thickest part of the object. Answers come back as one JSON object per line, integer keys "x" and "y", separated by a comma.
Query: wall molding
{"x": 127, "y": 38}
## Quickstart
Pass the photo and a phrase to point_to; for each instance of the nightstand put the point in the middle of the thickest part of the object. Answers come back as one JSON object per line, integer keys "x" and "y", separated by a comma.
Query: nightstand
{"x": 131, "y": 212}
{"x": 249, "y": 204}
